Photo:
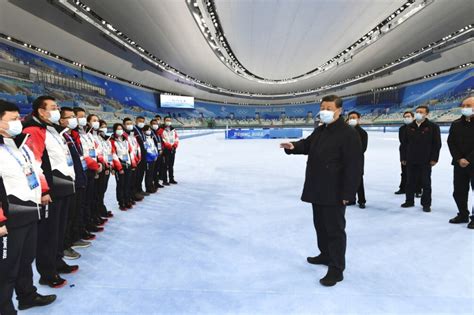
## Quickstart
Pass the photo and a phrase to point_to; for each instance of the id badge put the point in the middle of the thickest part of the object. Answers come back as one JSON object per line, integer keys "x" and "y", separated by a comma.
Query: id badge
{"x": 125, "y": 158}
{"x": 84, "y": 164}
{"x": 69, "y": 159}
{"x": 110, "y": 158}
{"x": 92, "y": 153}
{"x": 32, "y": 180}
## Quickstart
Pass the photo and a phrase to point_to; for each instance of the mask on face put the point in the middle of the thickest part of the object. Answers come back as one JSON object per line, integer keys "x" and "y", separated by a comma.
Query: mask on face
{"x": 14, "y": 128}
{"x": 407, "y": 120}
{"x": 467, "y": 111}
{"x": 95, "y": 125}
{"x": 129, "y": 127}
{"x": 326, "y": 116}
{"x": 168, "y": 123}
{"x": 119, "y": 132}
{"x": 148, "y": 132}
{"x": 154, "y": 127}
{"x": 419, "y": 116}
{"x": 141, "y": 125}
{"x": 352, "y": 122}
{"x": 54, "y": 116}
{"x": 104, "y": 130}
{"x": 82, "y": 121}
{"x": 72, "y": 123}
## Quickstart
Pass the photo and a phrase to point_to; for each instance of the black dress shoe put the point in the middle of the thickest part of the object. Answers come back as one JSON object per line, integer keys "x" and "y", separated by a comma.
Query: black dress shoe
{"x": 144, "y": 193}
{"x": 38, "y": 300}
{"x": 95, "y": 229}
{"x": 108, "y": 214}
{"x": 55, "y": 282}
{"x": 166, "y": 183}
{"x": 459, "y": 219}
{"x": 400, "y": 192}
{"x": 160, "y": 186}
{"x": 471, "y": 225}
{"x": 87, "y": 236}
{"x": 318, "y": 260}
{"x": 407, "y": 205}
{"x": 173, "y": 182}
{"x": 427, "y": 209}
{"x": 351, "y": 203}
{"x": 362, "y": 205}
{"x": 138, "y": 197}
{"x": 333, "y": 276}
{"x": 68, "y": 269}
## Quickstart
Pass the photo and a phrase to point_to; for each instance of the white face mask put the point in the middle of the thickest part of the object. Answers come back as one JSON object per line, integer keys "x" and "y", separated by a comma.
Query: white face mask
{"x": 82, "y": 121}
{"x": 141, "y": 125}
{"x": 168, "y": 123}
{"x": 407, "y": 120}
{"x": 14, "y": 128}
{"x": 154, "y": 127}
{"x": 54, "y": 116}
{"x": 419, "y": 116}
{"x": 467, "y": 111}
{"x": 129, "y": 127}
{"x": 326, "y": 116}
{"x": 119, "y": 132}
{"x": 95, "y": 125}
{"x": 148, "y": 132}
{"x": 104, "y": 130}
{"x": 353, "y": 122}
{"x": 72, "y": 123}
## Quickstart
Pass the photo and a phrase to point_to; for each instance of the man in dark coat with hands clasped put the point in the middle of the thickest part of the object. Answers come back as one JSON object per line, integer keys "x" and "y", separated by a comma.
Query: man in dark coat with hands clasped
{"x": 333, "y": 174}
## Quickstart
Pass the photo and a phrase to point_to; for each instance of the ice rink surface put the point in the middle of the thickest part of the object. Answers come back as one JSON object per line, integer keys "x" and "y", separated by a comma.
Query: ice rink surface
{"x": 233, "y": 237}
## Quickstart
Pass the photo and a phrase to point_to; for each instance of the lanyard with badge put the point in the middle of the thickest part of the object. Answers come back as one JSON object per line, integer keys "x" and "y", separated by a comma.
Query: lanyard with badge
{"x": 65, "y": 148}
{"x": 92, "y": 152}
{"x": 27, "y": 167}
{"x": 123, "y": 151}
{"x": 83, "y": 161}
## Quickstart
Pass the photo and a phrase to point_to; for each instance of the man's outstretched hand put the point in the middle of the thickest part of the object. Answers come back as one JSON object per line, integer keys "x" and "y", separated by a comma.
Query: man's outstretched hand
{"x": 287, "y": 146}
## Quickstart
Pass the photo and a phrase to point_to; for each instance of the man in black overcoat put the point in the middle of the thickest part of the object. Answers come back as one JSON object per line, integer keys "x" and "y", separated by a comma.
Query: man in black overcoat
{"x": 333, "y": 173}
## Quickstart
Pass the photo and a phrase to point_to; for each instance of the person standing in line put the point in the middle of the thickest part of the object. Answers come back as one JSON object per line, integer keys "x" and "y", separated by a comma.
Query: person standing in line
{"x": 420, "y": 152}
{"x": 104, "y": 139}
{"x": 50, "y": 149}
{"x": 354, "y": 121}
{"x": 151, "y": 156}
{"x": 74, "y": 227}
{"x": 155, "y": 127}
{"x": 461, "y": 146}
{"x": 333, "y": 173}
{"x": 23, "y": 190}
{"x": 135, "y": 156}
{"x": 170, "y": 141}
{"x": 122, "y": 165}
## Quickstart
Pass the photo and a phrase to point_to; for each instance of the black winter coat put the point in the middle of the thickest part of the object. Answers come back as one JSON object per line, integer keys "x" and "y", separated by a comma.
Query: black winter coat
{"x": 461, "y": 140}
{"x": 421, "y": 144}
{"x": 334, "y": 166}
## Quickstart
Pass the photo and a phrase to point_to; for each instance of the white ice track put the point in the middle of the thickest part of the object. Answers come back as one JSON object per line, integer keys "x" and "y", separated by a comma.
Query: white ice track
{"x": 233, "y": 236}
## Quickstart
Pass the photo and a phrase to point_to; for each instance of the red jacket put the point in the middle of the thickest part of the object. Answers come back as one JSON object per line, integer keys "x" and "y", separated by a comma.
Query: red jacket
{"x": 91, "y": 163}
{"x": 169, "y": 138}
{"x": 3, "y": 218}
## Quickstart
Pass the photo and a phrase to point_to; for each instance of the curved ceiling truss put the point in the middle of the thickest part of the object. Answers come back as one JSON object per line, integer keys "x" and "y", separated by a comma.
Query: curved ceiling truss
{"x": 87, "y": 14}
{"x": 205, "y": 11}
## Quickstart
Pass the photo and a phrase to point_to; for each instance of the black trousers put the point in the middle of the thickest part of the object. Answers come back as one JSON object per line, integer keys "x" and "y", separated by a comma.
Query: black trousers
{"x": 123, "y": 187}
{"x": 102, "y": 184}
{"x": 167, "y": 171}
{"x": 75, "y": 222}
{"x": 157, "y": 170}
{"x": 330, "y": 225}
{"x": 417, "y": 172}
{"x": 403, "y": 181}
{"x": 16, "y": 272}
{"x": 150, "y": 176}
{"x": 90, "y": 205}
{"x": 463, "y": 178}
{"x": 51, "y": 233}
{"x": 360, "y": 192}
{"x": 132, "y": 183}
{"x": 140, "y": 174}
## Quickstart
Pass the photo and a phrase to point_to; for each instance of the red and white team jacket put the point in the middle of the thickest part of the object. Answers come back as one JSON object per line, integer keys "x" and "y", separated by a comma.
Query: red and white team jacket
{"x": 169, "y": 137}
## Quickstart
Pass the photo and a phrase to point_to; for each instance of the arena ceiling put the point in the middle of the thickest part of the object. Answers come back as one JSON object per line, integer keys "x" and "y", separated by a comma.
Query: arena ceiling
{"x": 272, "y": 49}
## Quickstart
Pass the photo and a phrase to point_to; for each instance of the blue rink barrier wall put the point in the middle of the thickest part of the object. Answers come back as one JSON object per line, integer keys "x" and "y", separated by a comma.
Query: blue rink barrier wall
{"x": 264, "y": 133}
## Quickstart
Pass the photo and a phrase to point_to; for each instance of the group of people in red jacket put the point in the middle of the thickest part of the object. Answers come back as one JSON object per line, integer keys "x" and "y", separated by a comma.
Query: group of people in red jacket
{"x": 54, "y": 174}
